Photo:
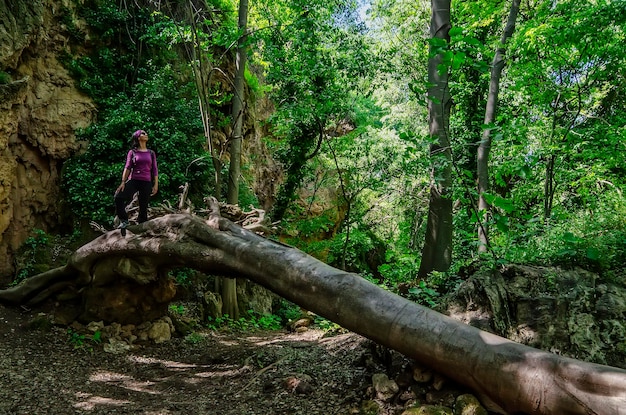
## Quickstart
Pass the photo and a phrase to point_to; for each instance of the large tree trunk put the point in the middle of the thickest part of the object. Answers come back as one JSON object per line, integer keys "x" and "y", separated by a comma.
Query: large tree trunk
{"x": 437, "y": 252}
{"x": 234, "y": 168}
{"x": 229, "y": 285}
{"x": 517, "y": 378}
{"x": 482, "y": 163}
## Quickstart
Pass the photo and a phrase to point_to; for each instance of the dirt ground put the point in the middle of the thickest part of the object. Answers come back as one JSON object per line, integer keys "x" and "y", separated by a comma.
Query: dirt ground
{"x": 42, "y": 371}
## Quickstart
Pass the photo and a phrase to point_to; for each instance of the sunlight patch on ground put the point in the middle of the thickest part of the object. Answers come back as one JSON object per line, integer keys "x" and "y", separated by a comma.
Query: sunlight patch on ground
{"x": 224, "y": 373}
{"x": 109, "y": 377}
{"x": 347, "y": 341}
{"x": 90, "y": 402}
{"x": 169, "y": 364}
{"x": 123, "y": 381}
{"x": 306, "y": 336}
{"x": 228, "y": 343}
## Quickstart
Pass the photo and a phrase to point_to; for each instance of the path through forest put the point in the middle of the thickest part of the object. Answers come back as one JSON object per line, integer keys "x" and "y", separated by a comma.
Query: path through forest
{"x": 43, "y": 371}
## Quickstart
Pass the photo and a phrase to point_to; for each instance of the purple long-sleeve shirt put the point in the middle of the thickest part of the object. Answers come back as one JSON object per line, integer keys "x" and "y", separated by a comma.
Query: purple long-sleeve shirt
{"x": 143, "y": 167}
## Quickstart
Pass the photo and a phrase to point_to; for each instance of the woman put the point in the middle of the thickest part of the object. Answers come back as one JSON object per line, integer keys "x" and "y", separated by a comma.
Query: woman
{"x": 141, "y": 169}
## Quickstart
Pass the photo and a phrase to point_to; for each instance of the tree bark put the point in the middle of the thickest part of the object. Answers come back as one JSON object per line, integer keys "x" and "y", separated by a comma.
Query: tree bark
{"x": 229, "y": 285}
{"x": 482, "y": 162}
{"x": 234, "y": 169}
{"x": 437, "y": 252}
{"x": 513, "y": 377}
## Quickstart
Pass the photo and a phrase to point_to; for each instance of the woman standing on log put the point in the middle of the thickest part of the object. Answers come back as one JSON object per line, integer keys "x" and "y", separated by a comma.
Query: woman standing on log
{"x": 141, "y": 175}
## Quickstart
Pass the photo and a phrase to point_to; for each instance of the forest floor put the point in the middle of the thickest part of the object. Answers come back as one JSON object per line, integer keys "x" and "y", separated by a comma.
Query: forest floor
{"x": 43, "y": 370}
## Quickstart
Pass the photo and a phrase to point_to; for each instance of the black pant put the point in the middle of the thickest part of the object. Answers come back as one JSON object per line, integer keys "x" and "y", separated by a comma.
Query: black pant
{"x": 122, "y": 198}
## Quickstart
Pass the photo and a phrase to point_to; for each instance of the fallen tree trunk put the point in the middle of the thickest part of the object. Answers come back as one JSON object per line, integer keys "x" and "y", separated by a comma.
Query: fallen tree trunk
{"x": 509, "y": 376}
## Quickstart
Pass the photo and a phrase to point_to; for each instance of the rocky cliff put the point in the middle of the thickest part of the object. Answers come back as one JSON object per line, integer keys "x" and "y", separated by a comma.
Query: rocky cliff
{"x": 40, "y": 110}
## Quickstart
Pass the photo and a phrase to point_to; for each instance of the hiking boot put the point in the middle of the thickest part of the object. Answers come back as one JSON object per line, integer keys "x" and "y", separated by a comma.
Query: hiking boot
{"x": 122, "y": 227}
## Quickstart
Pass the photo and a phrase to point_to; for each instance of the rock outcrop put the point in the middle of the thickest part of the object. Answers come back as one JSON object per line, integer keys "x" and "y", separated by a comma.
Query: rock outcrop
{"x": 40, "y": 110}
{"x": 568, "y": 312}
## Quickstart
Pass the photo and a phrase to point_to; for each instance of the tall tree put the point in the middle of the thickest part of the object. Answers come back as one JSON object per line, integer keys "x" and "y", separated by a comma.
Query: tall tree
{"x": 229, "y": 285}
{"x": 437, "y": 251}
{"x": 238, "y": 106}
{"x": 482, "y": 159}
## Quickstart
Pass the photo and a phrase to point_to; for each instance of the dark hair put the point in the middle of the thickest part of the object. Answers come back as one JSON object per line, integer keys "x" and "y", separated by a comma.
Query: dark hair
{"x": 134, "y": 141}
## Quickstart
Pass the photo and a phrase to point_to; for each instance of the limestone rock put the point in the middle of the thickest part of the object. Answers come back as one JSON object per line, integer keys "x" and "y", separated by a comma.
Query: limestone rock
{"x": 422, "y": 374}
{"x": 116, "y": 347}
{"x": 468, "y": 404}
{"x": 385, "y": 388}
{"x": 160, "y": 331}
{"x": 40, "y": 110}
{"x": 564, "y": 311}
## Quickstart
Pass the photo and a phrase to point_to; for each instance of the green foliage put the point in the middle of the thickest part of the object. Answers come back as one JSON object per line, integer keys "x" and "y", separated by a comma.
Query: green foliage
{"x": 251, "y": 322}
{"x": 399, "y": 267}
{"x": 175, "y": 137}
{"x": 309, "y": 233}
{"x": 32, "y": 252}
{"x": 39, "y": 240}
{"x": 311, "y": 70}
{"x": 423, "y": 294}
{"x": 352, "y": 252}
{"x": 246, "y": 196}
{"x": 356, "y": 123}
{"x": 288, "y": 311}
{"x": 70, "y": 25}
{"x": 256, "y": 88}
{"x": 194, "y": 338}
{"x": 84, "y": 342}
{"x": 314, "y": 227}
{"x": 572, "y": 237}
{"x": 184, "y": 276}
{"x": 5, "y": 78}
{"x": 76, "y": 339}
{"x": 177, "y": 308}
{"x": 269, "y": 322}
{"x": 327, "y": 325}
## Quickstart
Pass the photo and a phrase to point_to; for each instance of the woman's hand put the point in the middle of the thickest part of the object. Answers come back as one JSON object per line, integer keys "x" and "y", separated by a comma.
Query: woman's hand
{"x": 155, "y": 189}
{"x": 120, "y": 188}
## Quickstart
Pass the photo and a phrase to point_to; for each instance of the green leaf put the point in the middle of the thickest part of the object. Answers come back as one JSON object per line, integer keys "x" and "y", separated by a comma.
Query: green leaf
{"x": 500, "y": 202}
{"x": 504, "y": 204}
{"x": 593, "y": 253}
{"x": 502, "y": 223}
{"x": 455, "y": 31}
{"x": 570, "y": 238}
{"x": 472, "y": 41}
{"x": 458, "y": 60}
{"x": 524, "y": 172}
{"x": 437, "y": 42}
